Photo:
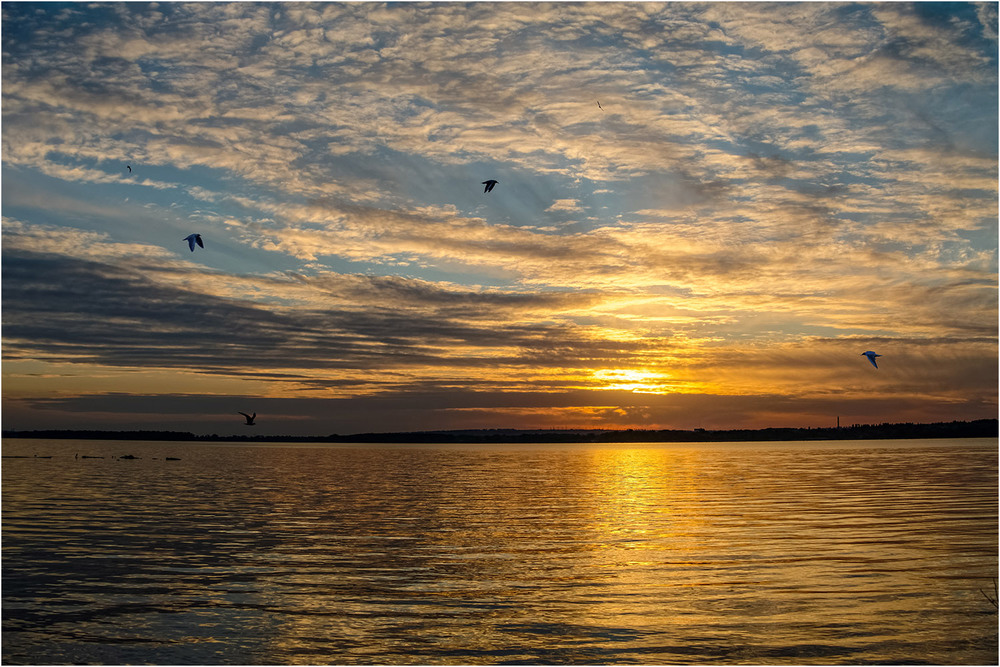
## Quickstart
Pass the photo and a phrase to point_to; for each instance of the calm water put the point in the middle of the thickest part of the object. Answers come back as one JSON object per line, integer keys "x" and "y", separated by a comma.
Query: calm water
{"x": 765, "y": 553}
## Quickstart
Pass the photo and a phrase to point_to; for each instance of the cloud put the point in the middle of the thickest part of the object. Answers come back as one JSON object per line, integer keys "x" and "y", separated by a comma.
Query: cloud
{"x": 569, "y": 205}
{"x": 412, "y": 411}
{"x": 987, "y": 15}
{"x": 69, "y": 296}
{"x": 106, "y": 309}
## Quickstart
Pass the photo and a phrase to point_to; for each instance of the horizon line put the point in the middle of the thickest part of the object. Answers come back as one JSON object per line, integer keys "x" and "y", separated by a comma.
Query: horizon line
{"x": 985, "y": 427}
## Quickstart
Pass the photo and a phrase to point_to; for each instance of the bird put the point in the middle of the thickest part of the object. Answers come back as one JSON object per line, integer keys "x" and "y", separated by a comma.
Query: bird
{"x": 871, "y": 357}
{"x": 129, "y": 167}
{"x": 489, "y": 185}
{"x": 599, "y": 105}
{"x": 249, "y": 418}
{"x": 192, "y": 239}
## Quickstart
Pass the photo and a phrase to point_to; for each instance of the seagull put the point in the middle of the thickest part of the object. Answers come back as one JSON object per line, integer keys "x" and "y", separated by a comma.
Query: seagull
{"x": 192, "y": 239}
{"x": 871, "y": 357}
{"x": 249, "y": 418}
{"x": 599, "y": 105}
{"x": 489, "y": 185}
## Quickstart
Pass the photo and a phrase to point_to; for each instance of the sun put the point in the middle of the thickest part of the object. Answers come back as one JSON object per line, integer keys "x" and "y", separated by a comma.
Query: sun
{"x": 634, "y": 380}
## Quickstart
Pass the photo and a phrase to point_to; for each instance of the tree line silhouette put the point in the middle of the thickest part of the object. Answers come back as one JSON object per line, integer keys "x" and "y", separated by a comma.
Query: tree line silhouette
{"x": 980, "y": 428}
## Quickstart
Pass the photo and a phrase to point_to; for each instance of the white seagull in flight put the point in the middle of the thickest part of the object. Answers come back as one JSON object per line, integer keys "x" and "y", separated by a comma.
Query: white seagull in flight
{"x": 871, "y": 357}
{"x": 192, "y": 239}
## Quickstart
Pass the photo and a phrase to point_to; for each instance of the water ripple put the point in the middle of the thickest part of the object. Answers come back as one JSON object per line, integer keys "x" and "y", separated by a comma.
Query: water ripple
{"x": 778, "y": 553}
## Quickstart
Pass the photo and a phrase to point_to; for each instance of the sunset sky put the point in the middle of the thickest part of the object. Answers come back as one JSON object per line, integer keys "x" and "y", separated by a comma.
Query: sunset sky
{"x": 769, "y": 191}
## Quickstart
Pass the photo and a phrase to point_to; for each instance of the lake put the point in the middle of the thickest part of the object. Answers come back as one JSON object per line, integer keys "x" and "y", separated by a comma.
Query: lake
{"x": 836, "y": 552}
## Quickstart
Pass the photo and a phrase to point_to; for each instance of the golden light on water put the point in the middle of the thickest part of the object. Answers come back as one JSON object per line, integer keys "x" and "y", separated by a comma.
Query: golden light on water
{"x": 735, "y": 553}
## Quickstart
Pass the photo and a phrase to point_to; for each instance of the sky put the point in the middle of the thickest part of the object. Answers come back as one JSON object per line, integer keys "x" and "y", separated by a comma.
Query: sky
{"x": 706, "y": 213}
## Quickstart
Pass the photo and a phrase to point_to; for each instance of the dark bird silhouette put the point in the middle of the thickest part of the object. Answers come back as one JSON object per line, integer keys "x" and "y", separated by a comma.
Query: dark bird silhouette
{"x": 489, "y": 185}
{"x": 192, "y": 239}
{"x": 599, "y": 105}
{"x": 871, "y": 357}
{"x": 129, "y": 167}
{"x": 249, "y": 418}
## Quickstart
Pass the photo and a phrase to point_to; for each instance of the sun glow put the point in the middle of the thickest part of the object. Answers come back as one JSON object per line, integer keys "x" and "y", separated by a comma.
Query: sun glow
{"x": 638, "y": 381}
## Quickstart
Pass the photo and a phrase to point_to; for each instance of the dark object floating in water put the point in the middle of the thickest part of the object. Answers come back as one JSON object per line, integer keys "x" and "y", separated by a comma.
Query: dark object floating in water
{"x": 91, "y": 457}
{"x": 171, "y": 458}
{"x": 42, "y": 457}
{"x": 16, "y": 456}
{"x": 490, "y": 184}
{"x": 249, "y": 418}
{"x": 128, "y": 456}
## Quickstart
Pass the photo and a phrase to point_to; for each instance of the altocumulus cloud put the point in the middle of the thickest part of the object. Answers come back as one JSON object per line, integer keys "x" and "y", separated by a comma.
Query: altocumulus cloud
{"x": 764, "y": 181}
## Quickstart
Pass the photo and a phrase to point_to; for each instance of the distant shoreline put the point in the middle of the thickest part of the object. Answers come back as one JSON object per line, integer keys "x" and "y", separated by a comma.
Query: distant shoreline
{"x": 980, "y": 428}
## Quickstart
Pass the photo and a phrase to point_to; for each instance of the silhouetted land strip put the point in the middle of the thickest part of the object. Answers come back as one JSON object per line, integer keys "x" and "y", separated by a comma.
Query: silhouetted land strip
{"x": 980, "y": 428}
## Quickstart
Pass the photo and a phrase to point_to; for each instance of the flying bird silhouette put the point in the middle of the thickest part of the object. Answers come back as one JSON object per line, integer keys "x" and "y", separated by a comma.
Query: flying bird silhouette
{"x": 599, "y": 105}
{"x": 249, "y": 418}
{"x": 192, "y": 239}
{"x": 489, "y": 185}
{"x": 129, "y": 168}
{"x": 871, "y": 357}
